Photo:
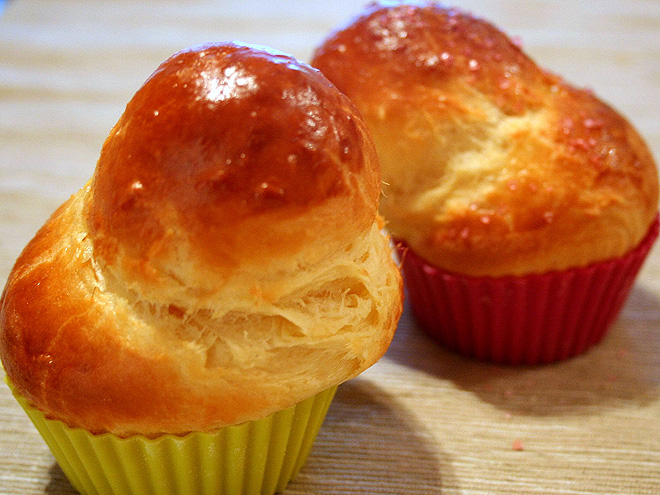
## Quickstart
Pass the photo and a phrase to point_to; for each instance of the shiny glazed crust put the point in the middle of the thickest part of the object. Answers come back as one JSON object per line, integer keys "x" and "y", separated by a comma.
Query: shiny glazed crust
{"x": 491, "y": 165}
{"x": 225, "y": 261}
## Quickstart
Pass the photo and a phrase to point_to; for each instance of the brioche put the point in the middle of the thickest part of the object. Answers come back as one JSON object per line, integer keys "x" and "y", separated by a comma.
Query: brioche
{"x": 225, "y": 261}
{"x": 492, "y": 166}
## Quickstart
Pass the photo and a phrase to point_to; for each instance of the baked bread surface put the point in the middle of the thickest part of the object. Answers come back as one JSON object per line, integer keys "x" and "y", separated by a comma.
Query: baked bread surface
{"x": 491, "y": 165}
{"x": 225, "y": 261}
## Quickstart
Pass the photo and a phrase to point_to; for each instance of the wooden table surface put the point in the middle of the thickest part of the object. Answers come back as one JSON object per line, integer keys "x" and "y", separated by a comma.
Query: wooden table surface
{"x": 422, "y": 420}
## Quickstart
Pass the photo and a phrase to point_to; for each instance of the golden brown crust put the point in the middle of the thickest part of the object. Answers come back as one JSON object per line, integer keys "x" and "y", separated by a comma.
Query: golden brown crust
{"x": 491, "y": 165}
{"x": 207, "y": 153}
{"x": 199, "y": 298}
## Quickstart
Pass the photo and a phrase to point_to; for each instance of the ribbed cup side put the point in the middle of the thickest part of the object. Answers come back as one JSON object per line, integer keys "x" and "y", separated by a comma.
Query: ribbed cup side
{"x": 531, "y": 319}
{"x": 255, "y": 458}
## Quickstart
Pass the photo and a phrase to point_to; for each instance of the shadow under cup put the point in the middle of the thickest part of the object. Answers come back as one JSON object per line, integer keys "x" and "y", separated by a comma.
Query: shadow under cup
{"x": 521, "y": 320}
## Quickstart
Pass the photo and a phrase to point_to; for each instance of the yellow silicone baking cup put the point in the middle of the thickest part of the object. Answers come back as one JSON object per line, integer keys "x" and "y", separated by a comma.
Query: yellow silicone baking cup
{"x": 254, "y": 458}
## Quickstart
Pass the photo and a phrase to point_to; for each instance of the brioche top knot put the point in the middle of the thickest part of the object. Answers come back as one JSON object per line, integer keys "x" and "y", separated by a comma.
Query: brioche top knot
{"x": 232, "y": 156}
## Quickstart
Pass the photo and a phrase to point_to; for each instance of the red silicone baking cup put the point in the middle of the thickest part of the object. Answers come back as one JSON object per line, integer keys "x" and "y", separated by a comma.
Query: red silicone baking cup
{"x": 525, "y": 320}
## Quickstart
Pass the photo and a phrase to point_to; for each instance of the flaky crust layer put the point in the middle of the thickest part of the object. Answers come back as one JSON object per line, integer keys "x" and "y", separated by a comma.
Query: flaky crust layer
{"x": 492, "y": 165}
{"x": 203, "y": 318}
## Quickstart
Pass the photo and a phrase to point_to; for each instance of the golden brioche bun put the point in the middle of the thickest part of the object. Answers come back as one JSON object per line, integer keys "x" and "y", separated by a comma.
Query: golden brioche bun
{"x": 225, "y": 261}
{"x": 491, "y": 165}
